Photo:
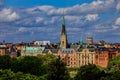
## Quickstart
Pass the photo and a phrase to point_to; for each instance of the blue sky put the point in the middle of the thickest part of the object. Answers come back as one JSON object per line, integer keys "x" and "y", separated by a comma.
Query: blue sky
{"x": 57, "y": 3}
{"x": 27, "y": 20}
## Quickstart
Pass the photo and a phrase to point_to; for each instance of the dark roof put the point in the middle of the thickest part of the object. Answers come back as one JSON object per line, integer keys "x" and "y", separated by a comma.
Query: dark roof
{"x": 63, "y": 32}
{"x": 66, "y": 51}
{"x": 74, "y": 46}
{"x": 45, "y": 51}
{"x": 90, "y": 49}
{"x": 54, "y": 50}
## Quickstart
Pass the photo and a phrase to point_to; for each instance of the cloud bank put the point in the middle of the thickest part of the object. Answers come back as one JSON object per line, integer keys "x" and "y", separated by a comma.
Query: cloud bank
{"x": 99, "y": 19}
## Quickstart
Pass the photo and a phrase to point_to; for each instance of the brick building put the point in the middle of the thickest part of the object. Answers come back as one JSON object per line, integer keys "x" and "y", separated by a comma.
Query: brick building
{"x": 68, "y": 56}
{"x": 102, "y": 58}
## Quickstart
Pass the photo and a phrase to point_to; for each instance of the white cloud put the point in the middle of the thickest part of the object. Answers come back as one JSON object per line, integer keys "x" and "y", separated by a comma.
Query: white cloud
{"x": 118, "y": 6}
{"x": 115, "y": 27}
{"x": 92, "y": 17}
{"x": 117, "y": 22}
{"x": 8, "y": 15}
{"x": 22, "y": 29}
{"x": 46, "y": 20}
{"x": 39, "y": 19}
{"x": 95, "y": 7}
{"x": 45, "y": 8}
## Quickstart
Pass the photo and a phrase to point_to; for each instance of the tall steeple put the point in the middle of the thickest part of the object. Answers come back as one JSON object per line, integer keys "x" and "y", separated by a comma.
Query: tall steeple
{"x": 63, "y": 38}
{"x": 63, "y": 26}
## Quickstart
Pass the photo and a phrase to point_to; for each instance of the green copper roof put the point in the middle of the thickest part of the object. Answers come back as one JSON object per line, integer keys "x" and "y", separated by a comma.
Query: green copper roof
{"x": 63, "y": 21}
{"x": 32, "y": 49}
{"x": 63, "y": 32}
{"x": 81, "y": 41}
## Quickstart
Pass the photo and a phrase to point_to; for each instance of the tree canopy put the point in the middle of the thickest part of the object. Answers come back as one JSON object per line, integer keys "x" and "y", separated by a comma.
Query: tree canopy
{"x": 57, "y": 70}
{"x": 49, "y": 67}
{"x": 88, "y": 72}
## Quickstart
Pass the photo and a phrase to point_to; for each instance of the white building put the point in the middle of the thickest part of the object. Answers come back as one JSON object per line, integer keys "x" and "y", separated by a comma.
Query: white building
{"x": 42, "y": 42}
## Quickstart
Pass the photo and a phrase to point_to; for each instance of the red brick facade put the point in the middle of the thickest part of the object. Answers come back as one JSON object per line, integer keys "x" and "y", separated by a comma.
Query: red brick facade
{"x": 102, "y": 58}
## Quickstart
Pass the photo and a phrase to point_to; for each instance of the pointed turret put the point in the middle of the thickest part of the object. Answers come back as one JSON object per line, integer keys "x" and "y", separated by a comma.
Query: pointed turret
{"x": 81, "y": 41}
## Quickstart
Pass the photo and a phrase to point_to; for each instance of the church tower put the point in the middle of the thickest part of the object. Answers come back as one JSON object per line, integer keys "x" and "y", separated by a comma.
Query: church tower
{"x": 63, "y": 38}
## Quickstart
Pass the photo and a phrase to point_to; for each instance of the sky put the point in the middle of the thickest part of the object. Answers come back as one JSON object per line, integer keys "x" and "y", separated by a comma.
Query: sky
{"x": 56, "y": 3}
{"x": 27, "y": 20}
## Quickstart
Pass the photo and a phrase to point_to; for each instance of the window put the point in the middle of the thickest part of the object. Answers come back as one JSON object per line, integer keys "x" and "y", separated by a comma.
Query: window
{"x": 68, "y": 62}
{"x": 96, "y": 56}
{"x": 62, "y": 43}
{"x": 71, "y": 51}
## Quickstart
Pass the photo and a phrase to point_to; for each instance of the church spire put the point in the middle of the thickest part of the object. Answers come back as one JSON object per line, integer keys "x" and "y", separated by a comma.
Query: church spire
{"x": 63, "y": 38}
{"x": 63, "y": 20}
{"x": 63, "y": 27}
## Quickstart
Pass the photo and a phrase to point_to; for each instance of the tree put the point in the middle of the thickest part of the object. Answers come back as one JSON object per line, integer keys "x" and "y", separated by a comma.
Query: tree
{"x": 32, "y": 65}
{"x": 29, "y": 64}
{"x": 88, "y": 72}
{"x": 57, "y": 70}
{"x": 10, "y": 75}
{"x": 5, "y": 62}
{"x": 112, "y": 76}
{"x": 47, "y": 58}
{"x": 115, "y": 64}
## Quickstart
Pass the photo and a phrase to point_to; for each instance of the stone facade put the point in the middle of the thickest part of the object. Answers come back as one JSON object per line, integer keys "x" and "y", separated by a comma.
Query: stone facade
{"x": 85, "y": 56}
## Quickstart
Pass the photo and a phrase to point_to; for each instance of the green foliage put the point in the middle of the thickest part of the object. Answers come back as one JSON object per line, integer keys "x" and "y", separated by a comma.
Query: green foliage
{"x": 100, "y": 68}
{"x": 112, "y": 76}
{"x": 115, "y": 61}
{"x": 72, "y": 71}
{"x": 57, "y": 70}
{"x": 5, "y": 62}
{"x": 88, "y": 72}
{"x": 9, "y": 75}
{"x": 29, "y": 64}
{"x": 47, "y": 58}
{"x": 48, "y": 67}
{"x": 115, "y": 64}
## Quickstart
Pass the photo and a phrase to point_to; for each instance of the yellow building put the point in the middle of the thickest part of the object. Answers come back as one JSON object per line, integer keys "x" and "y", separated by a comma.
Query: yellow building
{"x": 85, "y": 56}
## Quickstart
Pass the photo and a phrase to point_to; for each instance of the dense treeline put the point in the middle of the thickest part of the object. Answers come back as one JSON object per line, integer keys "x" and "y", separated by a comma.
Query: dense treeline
{"x": 48, "y": 67}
